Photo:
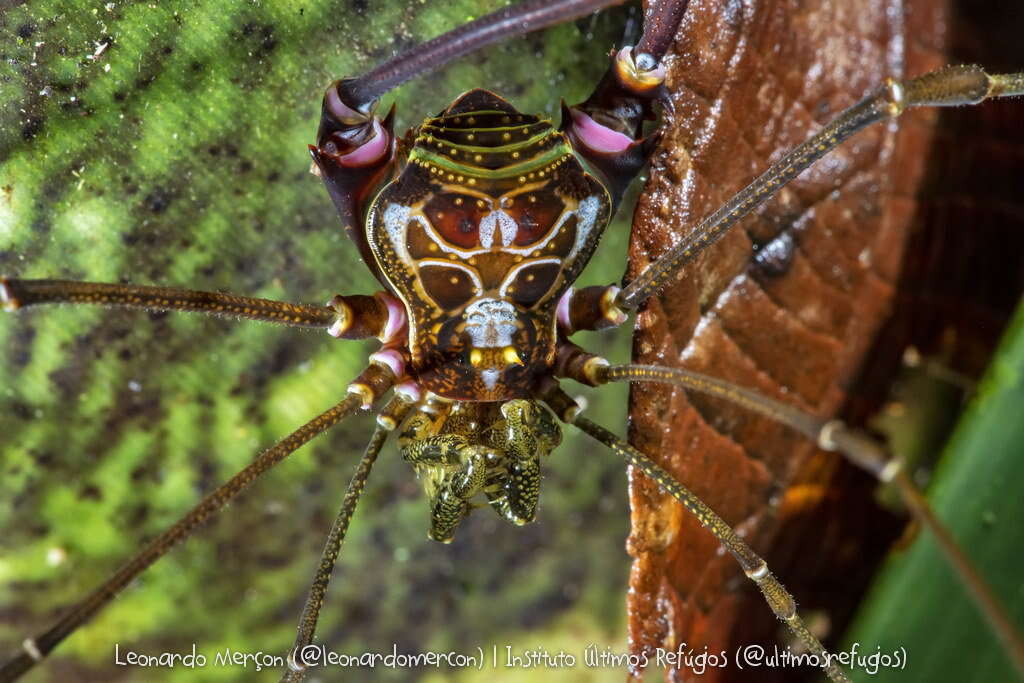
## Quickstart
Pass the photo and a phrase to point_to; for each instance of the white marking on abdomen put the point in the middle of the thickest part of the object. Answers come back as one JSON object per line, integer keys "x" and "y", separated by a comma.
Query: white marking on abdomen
{"x": 396, "y": 218}
{"x": 586, "y": 215}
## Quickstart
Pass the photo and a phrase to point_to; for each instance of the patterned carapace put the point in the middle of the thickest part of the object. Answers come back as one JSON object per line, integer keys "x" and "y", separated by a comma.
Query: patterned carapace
{"x": 477, "y": 226}
{"x": 484, "y": 230}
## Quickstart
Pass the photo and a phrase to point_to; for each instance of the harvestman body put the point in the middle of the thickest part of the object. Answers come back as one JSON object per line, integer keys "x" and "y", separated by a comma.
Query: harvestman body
{"x": 477, "y": 232}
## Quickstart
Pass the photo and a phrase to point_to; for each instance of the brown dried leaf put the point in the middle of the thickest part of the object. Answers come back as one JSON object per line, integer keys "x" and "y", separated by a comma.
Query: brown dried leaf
{"x": 788, "y": 303}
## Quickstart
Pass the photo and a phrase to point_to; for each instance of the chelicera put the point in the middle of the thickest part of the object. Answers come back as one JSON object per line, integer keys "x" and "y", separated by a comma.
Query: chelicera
{"x": 476, "y": 225}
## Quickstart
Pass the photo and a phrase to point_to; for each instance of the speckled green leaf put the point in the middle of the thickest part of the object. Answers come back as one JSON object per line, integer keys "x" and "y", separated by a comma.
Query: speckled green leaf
{"x": 916, "y": 603}
{"x": 164, "y": 143}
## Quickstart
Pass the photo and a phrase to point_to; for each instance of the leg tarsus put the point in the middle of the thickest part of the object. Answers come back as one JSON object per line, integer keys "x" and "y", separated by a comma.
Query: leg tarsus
{"x": 528, "y": 431}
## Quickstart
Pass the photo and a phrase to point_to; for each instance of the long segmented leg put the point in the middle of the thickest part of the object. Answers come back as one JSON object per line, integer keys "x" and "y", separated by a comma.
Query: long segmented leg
{"x": 16, "y": 294}
{"x": 949, "y": 87}
{"x": 525, "y": 17}
{"x": 601, "y": 308}
{"x": 391, "y": 416}
{"x": 859, "y": 449}
{"x": 611, "y": 142}
{"x": 607, "y": 134}
{"x": 348, "y": 317}
{"x": 372, "y": 383}
{"x": 775, "y": 594}
{"x": 832, "y": 435}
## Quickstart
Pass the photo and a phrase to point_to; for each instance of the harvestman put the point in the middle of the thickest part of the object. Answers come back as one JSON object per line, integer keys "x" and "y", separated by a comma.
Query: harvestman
{"x": 477, "y": 232}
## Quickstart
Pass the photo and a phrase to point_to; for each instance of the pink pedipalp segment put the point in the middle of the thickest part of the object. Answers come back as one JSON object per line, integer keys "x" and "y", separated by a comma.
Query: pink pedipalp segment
{"x": 391, "y": 358}
{"x": 396, "y": 318}
{"x": 562, "y": 310}
{"x": 369, "y": 152}
{"x": 597, "y": 137}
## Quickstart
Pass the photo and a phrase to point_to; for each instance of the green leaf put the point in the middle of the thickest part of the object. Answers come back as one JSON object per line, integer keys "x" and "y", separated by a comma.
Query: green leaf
{"x": 917, "y": 604}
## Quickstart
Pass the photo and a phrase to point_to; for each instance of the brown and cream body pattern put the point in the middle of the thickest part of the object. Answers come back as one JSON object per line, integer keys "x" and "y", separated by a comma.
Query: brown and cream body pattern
{"x": 488, "y": 224}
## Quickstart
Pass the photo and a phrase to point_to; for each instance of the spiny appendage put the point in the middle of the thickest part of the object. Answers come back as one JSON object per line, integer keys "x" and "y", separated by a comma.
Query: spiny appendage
{"x": 778, "y": 598}
{"x": 529, "y": 431}
{"x": 460, "y": 450}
